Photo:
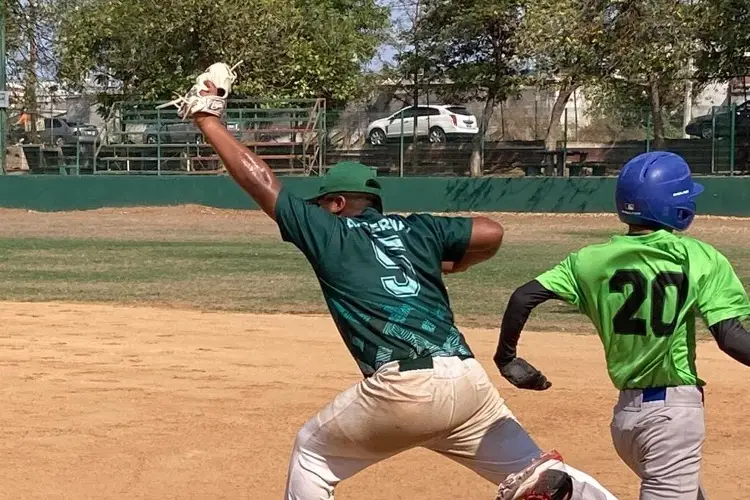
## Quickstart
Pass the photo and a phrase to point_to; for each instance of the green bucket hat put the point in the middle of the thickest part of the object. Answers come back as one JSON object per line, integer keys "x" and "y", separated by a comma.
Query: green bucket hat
{"x": 348, "y": 177}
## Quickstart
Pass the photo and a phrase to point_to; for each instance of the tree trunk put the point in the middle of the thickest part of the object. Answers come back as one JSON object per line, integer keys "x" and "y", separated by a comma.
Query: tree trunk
{"x": 656, "y": 119}
{"x": 30, "y": 84}
{"x": 475, "y": 161}
{"x": 553, "y": 129}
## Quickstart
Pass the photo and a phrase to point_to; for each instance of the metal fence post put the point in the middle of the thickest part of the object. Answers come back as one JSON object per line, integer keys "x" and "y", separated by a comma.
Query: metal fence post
{"x": 401, "y": 148}
{"x": 158, "y": 142}
{"x": 732, "y": 130}
{"x": 78, "y": 155}
{"x": 324, "y": 139}
{"x": 648, "y": 133}
{"x": 565, "y": 142}
{"x": 3, "y": 111}
{"x": 713, "y": 139}
{"x": 482, "y": 144}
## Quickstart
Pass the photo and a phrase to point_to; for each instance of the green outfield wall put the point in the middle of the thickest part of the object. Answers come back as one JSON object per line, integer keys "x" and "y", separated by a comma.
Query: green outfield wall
{"x": 723, "y": 196}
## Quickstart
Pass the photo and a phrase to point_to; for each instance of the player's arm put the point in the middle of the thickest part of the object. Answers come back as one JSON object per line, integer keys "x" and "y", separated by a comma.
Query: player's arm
{"x": 248, "y": 170}
{"x": 733, "y": 339}
{"x": 484, "y": 242}
{"x": 723, "y": 303}
{"x": 517, "y": 312}
{"x": 557, "y": 283}
{"x": 517, "y": 370}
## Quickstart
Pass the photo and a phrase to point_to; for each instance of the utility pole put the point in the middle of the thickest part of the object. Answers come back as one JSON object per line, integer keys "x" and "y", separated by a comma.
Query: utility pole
{"x": 3, "y": 132}
{"x": 415, "y": 83}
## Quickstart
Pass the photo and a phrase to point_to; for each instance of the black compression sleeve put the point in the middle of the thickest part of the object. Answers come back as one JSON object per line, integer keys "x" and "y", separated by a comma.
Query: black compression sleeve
{"x": 733, "y": 339}
{"x": 520, "y": 305}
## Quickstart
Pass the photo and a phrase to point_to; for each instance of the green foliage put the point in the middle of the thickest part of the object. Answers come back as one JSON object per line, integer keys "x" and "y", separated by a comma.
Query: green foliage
{"x": 566, "y": 39}
{"x": 623, "y": 103}
{"x": 724, "y": 39}
{"x": 29, "y": 35}
{"x": 649, "y": 44}
{"x": 651, "y": 39}
{"x": 472, "y": 43}
{"x": 12, "y": 14}
{"x": 290, "y": 48}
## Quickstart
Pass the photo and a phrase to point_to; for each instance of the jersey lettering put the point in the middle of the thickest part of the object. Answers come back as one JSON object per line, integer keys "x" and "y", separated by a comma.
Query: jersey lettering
{"x": 658, "y": 291}
{"x": 384, "y": 224}
{"x": 625, "y": 322}
{"x": 403, "y": 282}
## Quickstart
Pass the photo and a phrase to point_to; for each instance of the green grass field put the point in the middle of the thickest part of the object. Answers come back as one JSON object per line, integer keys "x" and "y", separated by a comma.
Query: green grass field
{"x": 241, "y": 270}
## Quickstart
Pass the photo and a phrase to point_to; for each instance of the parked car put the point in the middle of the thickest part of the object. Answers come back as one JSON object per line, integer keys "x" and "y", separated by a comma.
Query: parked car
{"x": 437, "y": 122}
{"x": 59, "y": 131}
{"x": 703, "y": 128}
{"x": 184, "y": 132}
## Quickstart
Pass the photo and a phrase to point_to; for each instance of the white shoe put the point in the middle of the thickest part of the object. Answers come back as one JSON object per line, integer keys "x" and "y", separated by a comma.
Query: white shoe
{"x": 542, "y": 480}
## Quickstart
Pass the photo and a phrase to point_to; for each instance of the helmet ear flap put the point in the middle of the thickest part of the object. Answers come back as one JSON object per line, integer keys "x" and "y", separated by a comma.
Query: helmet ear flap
{"x": 684, "y": 216}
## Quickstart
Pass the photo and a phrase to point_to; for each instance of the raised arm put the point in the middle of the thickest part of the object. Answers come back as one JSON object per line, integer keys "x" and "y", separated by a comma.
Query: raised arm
{"x": 248, "y": 170}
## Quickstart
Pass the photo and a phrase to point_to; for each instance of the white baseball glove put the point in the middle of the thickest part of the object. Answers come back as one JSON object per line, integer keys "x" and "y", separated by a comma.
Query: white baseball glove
{"x": 222, "y": 76}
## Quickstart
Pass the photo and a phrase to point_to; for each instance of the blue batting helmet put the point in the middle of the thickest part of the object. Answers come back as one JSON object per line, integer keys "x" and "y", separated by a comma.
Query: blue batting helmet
{"x": 656, "y": 189}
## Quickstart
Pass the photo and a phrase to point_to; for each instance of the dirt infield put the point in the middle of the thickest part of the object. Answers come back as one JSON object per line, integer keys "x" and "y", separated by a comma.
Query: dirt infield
{"x": 107, "y": 402}
{"x": 200, "y": 223}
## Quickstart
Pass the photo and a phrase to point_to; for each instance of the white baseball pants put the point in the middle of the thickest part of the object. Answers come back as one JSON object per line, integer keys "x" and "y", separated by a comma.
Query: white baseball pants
{"x": 451, "y": 408}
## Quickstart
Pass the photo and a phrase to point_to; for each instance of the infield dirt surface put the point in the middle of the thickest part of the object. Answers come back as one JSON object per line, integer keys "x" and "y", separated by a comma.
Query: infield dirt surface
{"x": 168, "y": 401}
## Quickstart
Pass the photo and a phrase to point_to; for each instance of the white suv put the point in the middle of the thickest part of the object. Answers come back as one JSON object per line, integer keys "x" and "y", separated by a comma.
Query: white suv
{"x": 437, "y": 122}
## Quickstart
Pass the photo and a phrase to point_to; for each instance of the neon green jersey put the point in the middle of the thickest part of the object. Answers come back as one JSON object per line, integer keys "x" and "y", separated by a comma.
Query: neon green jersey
{"x": 642, "y": 294}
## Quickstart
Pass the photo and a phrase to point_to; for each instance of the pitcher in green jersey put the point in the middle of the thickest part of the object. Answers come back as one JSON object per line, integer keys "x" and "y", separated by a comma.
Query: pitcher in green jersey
{"x": 642, "y": 291}
{"x": 381, "y": 276}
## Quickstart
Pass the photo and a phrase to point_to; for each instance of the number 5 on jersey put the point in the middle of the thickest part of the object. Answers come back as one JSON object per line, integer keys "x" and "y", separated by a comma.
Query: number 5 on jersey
{"x": 625, "y": 321}
{"x": 403, "y": 281}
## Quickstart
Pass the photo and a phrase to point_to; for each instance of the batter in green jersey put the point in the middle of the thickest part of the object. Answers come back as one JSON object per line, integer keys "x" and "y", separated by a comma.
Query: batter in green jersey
{"x": 382, "y": 278}
{"x": 643, "y": 291}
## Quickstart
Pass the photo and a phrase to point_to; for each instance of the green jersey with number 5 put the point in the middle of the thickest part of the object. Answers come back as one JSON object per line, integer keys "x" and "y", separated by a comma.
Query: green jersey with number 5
{"x": 381, "y": 278}
{"x": 643, "y": 293}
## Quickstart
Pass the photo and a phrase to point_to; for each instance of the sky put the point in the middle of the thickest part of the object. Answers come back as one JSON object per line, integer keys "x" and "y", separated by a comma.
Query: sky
{"x": 400, "y": 10}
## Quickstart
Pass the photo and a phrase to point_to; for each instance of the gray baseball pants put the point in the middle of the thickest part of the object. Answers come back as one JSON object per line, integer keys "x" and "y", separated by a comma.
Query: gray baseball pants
{"x": 659, "y": 434}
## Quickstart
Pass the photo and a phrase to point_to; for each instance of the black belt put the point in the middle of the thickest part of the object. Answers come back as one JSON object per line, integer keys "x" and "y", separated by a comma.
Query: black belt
{"x": 405, "y": 365}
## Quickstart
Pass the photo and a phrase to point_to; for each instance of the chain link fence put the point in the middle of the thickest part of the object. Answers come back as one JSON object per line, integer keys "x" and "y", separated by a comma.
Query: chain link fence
{"x": 435, "y": 139}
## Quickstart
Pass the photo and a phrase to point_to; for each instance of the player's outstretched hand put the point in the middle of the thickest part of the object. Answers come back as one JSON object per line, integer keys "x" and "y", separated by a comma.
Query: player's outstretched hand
{"x": 523, "y": 375}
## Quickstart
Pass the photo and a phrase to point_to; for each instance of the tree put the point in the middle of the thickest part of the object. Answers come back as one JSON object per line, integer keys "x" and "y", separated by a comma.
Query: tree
{"x": 290, "y": 48}
{"x": 724, "y": 39}
{"x": 29, "y": 39}
{"x": 410, "y": 62}
{"x": 473, "y": 44}
{"x": 565, "y": 40}
{"x": 651, "y": 43}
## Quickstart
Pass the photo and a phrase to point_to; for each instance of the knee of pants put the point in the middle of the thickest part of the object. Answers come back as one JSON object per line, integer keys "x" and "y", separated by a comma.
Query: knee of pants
{"x": 309, "y": 477}
{"x": 302, "y": 439}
